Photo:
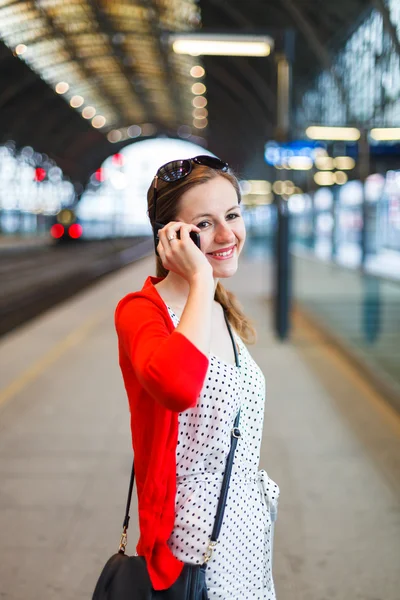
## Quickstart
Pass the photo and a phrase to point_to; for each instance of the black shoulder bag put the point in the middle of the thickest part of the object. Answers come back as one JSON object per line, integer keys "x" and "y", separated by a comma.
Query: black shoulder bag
{"x": 126, "y": 577}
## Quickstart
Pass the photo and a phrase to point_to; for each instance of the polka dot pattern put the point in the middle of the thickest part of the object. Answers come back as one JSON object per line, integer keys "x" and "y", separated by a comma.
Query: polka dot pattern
{"x": 240, "y": 568}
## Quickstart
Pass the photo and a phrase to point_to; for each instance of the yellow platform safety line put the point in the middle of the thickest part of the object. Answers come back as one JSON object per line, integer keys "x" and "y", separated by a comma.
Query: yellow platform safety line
{"x": 39, "y": 367}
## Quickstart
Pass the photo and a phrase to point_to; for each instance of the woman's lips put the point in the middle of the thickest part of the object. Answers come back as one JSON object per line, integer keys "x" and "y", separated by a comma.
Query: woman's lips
{"x": 227, "y": 254}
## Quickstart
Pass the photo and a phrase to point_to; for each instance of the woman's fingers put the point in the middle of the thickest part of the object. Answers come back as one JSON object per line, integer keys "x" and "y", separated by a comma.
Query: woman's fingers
{"x": 174, "y": 230}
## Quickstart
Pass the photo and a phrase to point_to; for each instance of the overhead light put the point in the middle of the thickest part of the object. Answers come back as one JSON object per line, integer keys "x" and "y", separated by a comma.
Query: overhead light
{"x": 200, "y": 123}
{"x": 258, "y": 187}
{"x": 76, "y": 101}
{"x": 114, "y": 136}
{"x": 98, "y": 121}
{"x": 325, "y": 163}
{"x": 20, "y": 49}
{"x": 221, "y": 44}
{"x": 198, "y": 89}
{"x": 277, "y": 187}
{"x": 300, "y": 163}
{"x": 200, "y": 113}
{"x": 199, "y": 102}
{"x": 134, "y": 131}
{"x": 148, "y": 129}
{"x": 340, "y": 177}
{"x": 324, "y": 178}
{"x": 385, "y": 134}
{"x": 184, "y": 131}
{"x": 88, "y": 112}
{"x": 62, "y": 87}
{"x": 333, "y": 133}
{"x": 344, "y": 162}
{"x": 197, "y": 71}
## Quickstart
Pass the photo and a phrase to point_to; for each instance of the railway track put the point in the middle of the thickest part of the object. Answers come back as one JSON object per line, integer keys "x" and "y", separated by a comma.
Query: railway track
{"x": 34, "y": 280}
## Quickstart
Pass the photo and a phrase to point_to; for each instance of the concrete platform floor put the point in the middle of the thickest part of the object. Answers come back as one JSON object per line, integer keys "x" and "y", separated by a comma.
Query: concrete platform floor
{"x": 330, "y": 441}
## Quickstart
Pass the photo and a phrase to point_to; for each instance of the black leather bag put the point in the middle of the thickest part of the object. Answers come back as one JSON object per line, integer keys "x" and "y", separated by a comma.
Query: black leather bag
{"x": 126, "y": 577}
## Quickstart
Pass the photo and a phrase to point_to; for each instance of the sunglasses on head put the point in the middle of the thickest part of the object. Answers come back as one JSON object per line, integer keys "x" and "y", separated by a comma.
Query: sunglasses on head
{"x": 178, "y": 169}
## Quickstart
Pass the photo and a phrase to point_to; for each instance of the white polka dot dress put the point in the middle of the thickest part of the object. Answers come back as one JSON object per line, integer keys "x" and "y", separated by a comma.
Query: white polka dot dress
{"x": 240, "y": 568}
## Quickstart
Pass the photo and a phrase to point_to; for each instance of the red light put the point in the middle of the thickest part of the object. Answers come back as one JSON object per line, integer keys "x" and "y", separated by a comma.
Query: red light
{"x": 75, "y": 231}
{"x": 100, "y": 174}
{"x": 118, "y": 160}
{"x": 57, "y": 231}
{"x": 40, "y": 174}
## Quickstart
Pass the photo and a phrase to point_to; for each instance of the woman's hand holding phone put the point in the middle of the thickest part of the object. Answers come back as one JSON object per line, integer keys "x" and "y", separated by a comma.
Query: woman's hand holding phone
{"x": 181, "y": 254}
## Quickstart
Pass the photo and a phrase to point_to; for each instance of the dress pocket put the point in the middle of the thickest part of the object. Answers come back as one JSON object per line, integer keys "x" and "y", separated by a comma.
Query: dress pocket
{"x": 270, "y": 493}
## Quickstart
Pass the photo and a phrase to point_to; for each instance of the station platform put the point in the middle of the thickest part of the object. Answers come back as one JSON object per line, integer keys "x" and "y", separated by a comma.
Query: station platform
{"x": 331, "y": 442}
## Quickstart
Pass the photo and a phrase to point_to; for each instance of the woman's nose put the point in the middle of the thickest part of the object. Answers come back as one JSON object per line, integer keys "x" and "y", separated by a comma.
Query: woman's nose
{"x": 223, "y": 233}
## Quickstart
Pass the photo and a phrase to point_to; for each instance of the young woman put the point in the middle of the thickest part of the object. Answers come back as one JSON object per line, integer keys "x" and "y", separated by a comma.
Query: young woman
{"x": 185, "y": 390}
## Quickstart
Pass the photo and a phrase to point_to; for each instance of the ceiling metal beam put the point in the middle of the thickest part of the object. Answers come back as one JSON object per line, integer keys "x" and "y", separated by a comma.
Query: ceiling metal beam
{"x": 320, "y": 51}
{"x": 126, "y": 66}
{"x": 154, "y": 23}
{"x": 233, "y": 13}
{"x": 88, "y": 74}
{"x": 387, "y": 23}
{"x": 247, "y": 100}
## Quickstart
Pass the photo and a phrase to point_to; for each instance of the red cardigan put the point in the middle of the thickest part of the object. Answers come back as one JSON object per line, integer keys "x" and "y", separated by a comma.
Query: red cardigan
{"x": 163, "y": 374}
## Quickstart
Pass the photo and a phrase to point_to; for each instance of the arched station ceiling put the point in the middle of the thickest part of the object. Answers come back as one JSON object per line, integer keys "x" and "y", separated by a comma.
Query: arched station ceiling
{"x": 114, "y": 55}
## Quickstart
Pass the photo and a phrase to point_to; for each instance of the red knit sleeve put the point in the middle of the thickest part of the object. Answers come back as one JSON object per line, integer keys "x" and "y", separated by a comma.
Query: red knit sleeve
{"x": 168, "y": 366}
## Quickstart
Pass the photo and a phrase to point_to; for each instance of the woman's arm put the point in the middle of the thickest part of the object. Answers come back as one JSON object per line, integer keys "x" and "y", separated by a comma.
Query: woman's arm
{"x": 182, "y": 257}
{"x": 167, "y": 365}
{"x": 196, "y": 318}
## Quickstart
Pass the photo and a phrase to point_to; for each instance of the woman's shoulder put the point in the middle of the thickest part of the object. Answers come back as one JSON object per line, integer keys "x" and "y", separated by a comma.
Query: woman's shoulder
{"x": 141, "y": 301}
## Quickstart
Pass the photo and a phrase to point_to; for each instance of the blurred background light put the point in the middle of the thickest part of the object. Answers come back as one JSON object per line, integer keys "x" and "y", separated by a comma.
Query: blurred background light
{"x": 333, "y": 133}
{"x": 75, "y": 231}
{"x": 199, "y": 102}
{"x": 221, "y": 44}
{"x": 300, "y": 163}
{"x": 20, "y": 49}
{"x": 184, "y": 131}
{"x": 324, "y": 163}
{"x": 118, "y": 159}
{"x": 62, "y": 87}
{"x": 88, "y": 112}
{"x": 198, "y": 88}
{"x": 200, "y": 113}
{"x": 134, "y": 131}
{"x": 340, "y": 177}
{"x": 76, "y": 101}
{"x": 324, "y": 178}
{"x": 57, "y": 231}
{"x": 114, "y": 136}
{"x": 197, "y": 71}
{"x": 149, "y": 129}
{"x": 40, "y": 174}
{"x": 385, "y": 133}
{"x": 344, "y": 162}
{"x": 200, "y": 123}
{"x": 98, "y": 121}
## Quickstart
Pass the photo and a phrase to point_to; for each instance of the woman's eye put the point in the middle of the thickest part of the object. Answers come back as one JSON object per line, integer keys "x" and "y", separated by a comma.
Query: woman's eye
{"x": 203, "y": 224}
{"x": 232, "y": 216}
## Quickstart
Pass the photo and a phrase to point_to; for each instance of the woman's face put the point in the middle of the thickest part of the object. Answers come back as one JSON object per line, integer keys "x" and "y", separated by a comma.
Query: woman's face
{"x": 214, "y": 208}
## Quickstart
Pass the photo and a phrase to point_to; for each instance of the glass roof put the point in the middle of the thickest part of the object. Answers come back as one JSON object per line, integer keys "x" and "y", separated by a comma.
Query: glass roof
{"x": 110, "y": 54}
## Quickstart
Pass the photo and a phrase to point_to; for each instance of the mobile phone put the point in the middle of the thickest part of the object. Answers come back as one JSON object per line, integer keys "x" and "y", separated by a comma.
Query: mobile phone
{"x": 195, "y": 237}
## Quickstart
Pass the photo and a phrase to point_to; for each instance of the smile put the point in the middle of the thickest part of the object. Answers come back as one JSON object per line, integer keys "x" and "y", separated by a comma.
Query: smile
{"x": 224, "y": 254}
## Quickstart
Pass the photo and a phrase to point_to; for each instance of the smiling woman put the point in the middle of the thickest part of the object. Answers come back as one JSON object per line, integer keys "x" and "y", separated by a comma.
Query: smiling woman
{"x": 180, "y": 339}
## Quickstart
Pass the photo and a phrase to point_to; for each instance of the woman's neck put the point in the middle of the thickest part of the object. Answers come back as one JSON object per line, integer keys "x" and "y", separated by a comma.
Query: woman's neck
{"x": 174, "y": 290}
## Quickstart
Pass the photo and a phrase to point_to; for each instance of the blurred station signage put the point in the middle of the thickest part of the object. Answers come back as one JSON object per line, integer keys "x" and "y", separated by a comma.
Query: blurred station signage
{"x": 296, "y": 154}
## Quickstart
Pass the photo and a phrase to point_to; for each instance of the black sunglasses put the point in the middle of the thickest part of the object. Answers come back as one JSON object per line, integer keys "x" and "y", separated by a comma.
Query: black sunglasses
{"x": 176, "y": 170}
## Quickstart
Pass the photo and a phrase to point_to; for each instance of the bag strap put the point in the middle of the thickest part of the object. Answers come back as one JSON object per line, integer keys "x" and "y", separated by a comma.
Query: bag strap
{"x": 235, "y": 435}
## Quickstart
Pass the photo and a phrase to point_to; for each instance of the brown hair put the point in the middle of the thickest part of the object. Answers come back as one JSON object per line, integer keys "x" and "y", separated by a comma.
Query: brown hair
{"x": 168, "y": 196}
